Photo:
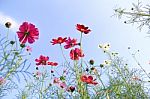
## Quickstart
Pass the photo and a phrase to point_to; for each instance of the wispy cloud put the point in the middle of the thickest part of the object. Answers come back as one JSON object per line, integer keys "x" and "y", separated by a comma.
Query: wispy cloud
{"x": 5, "y": 18}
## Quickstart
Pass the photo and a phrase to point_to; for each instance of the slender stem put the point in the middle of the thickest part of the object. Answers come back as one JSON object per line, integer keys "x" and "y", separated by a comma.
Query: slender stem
{"x": 107, "y": 95}
{"x": 118, "y": 69}
{"x": 100, "y": 79}
{"x": 81, "y": 47}
{"x": 7, "y": 34}
{"x": 139, "y": 14}
{"x": 12, "y": 69}
{"x": 140, "y": 66}
{"x": 43, "y": 76}
{"x": 81, "y": 40}
{"x": 77, "y": 75}
{"x": 63, "y": 55}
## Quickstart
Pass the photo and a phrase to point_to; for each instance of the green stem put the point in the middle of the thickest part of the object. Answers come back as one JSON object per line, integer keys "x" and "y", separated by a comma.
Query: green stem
{"x": 12, "y": 70}
{"x": 81, "y": 47}
{"x": 81, "y": 40}
{"x": 139, "y": 14}
{"x": 100, "y": 79}
{"x": 7, "y": 34}
{"x": 118, "y": 69}
{"x": 63, "y": 54}
{"x": 140, "y": 66}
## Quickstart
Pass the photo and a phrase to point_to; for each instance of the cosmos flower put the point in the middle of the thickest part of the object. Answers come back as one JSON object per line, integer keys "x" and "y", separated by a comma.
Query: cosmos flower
{"x": 136, "y": 78}
{"x": 63, "y": 85}
{"x": 28, "y": 49}
{"x": 42, "y": 60}
{"x": 59, "y": 40}
{"x": 38, "y": 74}
{"x": 56, "y": 80}
{"x": 70, "y": 43}
{"x": 52, "y": 63}
{"x": 107, "y": 62}
{"x": 76, "y": 53}
{"x": 27, "y": 32}
{"x": 83, "y": 29}
{"x": 88, "y": 79}
{"x": 105, "y": 47}
{"x": 2, "y": 80}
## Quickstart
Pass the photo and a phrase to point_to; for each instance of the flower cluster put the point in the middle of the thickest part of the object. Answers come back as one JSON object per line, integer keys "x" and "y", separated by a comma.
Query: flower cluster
{"x": 74, "y": 78}
{"x": 63, "y": 85}
{"x": 76, "y": 53}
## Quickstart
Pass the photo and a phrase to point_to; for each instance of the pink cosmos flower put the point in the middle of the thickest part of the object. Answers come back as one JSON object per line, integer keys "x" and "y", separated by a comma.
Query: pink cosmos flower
{"x": 136, "y": 78}
{"x": 2, "y": 80}
{"x": 83, "y": 29}
{"x": 76, "y": 53}
{"x": 70, "y": 43}
{"x": 28, "y": 49}
{"x": 27, "y": 32}
{"x": 63, "y": 85}
{"x": 56, "y": 80}
{"x": 38, "y": 73}
{"x": 59, "y": 40}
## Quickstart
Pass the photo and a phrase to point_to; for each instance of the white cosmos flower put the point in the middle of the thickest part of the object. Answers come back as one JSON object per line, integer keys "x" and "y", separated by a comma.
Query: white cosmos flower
{"x": 107, "y": 62}
{"x": 105, "y": 46}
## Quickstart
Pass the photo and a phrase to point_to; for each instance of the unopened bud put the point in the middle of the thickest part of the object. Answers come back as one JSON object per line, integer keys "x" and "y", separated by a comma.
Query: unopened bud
{"x": 7, "y": 24}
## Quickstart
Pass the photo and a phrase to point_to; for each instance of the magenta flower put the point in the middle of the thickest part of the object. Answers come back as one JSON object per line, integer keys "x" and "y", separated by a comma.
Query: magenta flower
{"x": 42, "y": 60}
{"x": 59, "y": 40}
{"x": 52, "y": 63}
{"x": 76, "y": 53}
{"x": 88, "y": 79}
{"x": 27, "y": 32}
{"x": 83, "y": 29}
{"x": 70, "y": 43}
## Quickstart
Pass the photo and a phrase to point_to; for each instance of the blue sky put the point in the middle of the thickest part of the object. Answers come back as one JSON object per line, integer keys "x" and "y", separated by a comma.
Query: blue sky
{"x": 58, "y": 18}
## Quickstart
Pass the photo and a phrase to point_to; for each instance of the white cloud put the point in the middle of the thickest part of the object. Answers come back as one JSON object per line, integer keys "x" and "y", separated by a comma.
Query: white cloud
{"x": 5, "y": 18}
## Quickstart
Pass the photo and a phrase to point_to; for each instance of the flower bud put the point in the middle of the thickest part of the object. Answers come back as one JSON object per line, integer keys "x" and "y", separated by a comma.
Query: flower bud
{"x": 37, "y": 68}
{"x": 7, "y": 24}
{"x": 91, "y": 62}
{"x": 92, "y": 68}
{"x": 22, "y": 45}
{"x": 72, "y": 88}
{"x": 12, "y": 42}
